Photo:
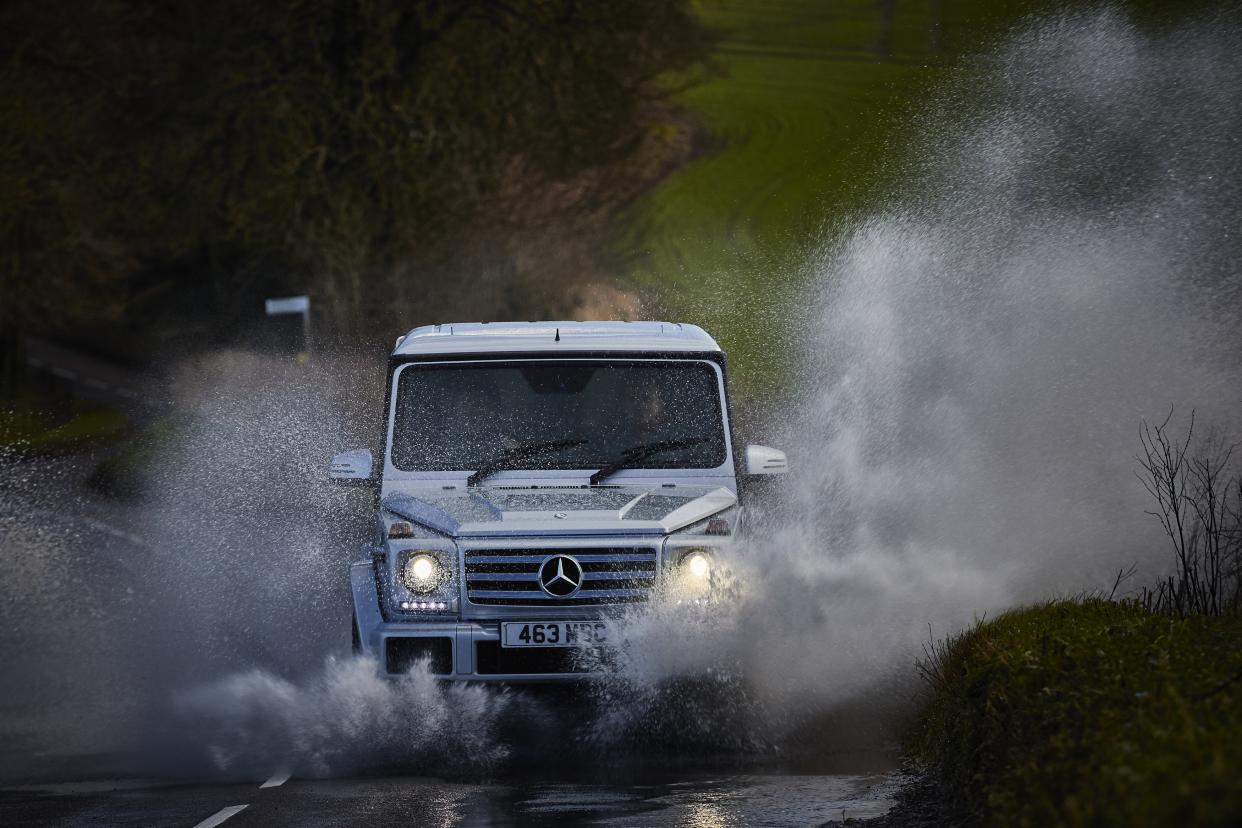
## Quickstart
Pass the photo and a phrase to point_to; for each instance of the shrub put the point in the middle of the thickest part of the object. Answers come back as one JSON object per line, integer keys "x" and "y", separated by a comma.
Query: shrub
{"x": 1087, "y": 713}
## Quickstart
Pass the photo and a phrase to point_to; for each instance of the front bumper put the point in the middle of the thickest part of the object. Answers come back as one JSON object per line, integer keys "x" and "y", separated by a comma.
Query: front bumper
{"x": 456, "y": 650}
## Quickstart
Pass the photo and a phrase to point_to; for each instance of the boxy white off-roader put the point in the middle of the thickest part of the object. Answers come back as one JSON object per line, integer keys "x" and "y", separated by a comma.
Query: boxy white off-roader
{"x": 537, "y": 479}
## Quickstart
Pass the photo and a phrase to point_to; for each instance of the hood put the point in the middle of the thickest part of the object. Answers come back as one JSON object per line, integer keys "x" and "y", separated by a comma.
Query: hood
{"x": 559, "y": 511}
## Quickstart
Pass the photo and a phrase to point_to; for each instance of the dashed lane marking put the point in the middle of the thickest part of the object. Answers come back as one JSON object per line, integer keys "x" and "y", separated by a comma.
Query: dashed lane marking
{"x": 221, "y": 815}
{"x": 97, "y": 525}
{"x": 129, "y": 537}
{"x": 88, "y": 381}
{"x": 278, "y": 778}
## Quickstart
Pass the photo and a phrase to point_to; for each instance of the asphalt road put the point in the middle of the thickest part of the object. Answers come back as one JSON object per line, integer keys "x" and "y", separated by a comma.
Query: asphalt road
{"x": 106, "y": 608}
{"x": 702, "y": 802}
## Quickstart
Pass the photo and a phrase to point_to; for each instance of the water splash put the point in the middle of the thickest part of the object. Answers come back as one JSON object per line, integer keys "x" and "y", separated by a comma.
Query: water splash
{"x": 348, "y": 719}
{"x": 1059, "y": 262}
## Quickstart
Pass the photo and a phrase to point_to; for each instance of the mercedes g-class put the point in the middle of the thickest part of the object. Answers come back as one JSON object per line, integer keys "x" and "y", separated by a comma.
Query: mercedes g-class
{"x": 536, "y": 480}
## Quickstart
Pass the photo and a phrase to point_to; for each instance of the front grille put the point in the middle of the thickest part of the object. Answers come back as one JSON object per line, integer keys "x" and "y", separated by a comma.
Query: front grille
{"x": 510, "y": 577}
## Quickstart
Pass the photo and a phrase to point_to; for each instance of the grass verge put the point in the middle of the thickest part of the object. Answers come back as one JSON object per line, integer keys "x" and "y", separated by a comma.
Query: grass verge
{"x": 1087, "y": 713}
{"x": 803, "y": 108}
{"x": 36, "y": 432}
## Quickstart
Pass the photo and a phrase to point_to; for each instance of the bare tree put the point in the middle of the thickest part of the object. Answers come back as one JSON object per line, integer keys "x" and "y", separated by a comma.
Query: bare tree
{"x": 1199, "y": 506}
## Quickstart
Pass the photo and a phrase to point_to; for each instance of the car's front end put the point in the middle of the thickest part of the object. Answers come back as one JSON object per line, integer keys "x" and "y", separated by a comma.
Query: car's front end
{"x": 538, "y": 604}
{"x": 537, "y": 482}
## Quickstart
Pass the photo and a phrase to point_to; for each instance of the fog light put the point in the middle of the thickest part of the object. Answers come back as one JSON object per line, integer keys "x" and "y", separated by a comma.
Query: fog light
{"x": 422, "y": 573}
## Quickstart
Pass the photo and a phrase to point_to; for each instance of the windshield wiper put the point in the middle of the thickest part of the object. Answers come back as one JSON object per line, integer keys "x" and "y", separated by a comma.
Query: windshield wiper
{"x": 637, "y": 454}
{"x": 522, "y": 452}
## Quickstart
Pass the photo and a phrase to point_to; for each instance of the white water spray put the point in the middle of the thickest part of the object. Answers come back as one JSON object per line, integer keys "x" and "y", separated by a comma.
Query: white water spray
{"x": 346, "y": 719}
{"x": 1060, "y": 262}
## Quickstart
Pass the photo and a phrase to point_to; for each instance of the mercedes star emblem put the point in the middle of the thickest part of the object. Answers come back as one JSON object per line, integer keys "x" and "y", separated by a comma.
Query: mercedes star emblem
{"x": 560, "y": 576}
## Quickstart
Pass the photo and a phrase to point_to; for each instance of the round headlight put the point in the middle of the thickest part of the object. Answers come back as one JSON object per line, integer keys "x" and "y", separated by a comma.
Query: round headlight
{"x": 693, "y": 577}
{"x": 698, "y": 565}
{"x": 422, "y": 573}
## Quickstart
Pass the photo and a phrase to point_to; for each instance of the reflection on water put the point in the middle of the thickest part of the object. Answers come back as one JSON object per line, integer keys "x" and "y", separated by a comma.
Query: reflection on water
{"x": 707, "y": 815}
{"x": 686, "y": 801}
{"x": 713, "y": 802}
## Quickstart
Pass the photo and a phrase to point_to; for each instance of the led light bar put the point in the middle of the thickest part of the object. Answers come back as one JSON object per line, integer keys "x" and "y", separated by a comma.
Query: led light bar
{"x": 424, "y": 605}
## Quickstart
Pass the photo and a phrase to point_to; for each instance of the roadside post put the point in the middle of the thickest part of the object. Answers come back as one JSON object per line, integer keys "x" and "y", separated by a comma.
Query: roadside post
{"x": 287, "y": 305}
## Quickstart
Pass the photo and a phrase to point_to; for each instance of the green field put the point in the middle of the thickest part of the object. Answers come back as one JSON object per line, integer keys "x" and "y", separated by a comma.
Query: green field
{"x": 804, "y": 108}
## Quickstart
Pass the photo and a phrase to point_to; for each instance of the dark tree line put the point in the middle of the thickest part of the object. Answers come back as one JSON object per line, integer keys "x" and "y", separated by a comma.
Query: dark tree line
{"x": 174, "y": 160}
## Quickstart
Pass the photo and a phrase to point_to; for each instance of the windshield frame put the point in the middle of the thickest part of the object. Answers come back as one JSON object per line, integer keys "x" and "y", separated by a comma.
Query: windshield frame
{"x": 578, "y": 476}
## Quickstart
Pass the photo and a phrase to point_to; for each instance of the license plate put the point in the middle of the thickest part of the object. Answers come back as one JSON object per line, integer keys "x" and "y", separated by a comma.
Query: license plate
{"x": 553, "y": 634}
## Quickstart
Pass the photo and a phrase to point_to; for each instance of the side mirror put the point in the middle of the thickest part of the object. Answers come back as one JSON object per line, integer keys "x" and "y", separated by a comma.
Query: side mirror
{"x": 351, "y": 468}
{"x": 764, "y": 460}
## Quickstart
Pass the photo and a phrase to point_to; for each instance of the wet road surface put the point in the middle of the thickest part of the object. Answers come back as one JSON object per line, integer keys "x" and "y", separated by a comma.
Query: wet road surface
{"x": 77, "y": 612}
{"x": 706, "y": 802}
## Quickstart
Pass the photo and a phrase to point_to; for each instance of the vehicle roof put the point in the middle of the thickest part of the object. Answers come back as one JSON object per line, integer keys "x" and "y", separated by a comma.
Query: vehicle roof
{"x": 552, "y": 337}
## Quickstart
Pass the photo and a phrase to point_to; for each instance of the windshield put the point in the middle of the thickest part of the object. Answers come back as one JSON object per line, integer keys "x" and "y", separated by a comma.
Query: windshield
{"x": 557, "y": 415}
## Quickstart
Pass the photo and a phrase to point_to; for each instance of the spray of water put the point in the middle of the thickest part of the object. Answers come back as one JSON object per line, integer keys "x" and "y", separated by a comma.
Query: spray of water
{"x": 347, "y": 719}
{"x": 254, "y": 592}
{"x": 1059, "y": 261}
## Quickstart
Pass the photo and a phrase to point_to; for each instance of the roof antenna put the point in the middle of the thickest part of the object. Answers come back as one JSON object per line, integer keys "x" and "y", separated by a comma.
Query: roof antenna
{"x": 558, "y": 335}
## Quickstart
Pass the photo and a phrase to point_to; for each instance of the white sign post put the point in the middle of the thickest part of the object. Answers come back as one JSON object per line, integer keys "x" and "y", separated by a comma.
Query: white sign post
{"x": 290, "y": 305}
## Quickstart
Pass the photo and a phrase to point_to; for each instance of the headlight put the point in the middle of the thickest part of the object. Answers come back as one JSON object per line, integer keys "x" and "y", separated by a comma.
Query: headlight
{"x": 697, "y": 564}
{"x": 693, "y": 574}
{"x": 423, "y": 572}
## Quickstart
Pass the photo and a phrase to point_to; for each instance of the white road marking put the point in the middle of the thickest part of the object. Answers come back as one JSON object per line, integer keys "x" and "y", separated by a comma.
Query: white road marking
{"x": 129, "y": 537}
{"x": 278, "y": 778}
{"x": 221, "y": 815}
{"x": 96, "y": 524}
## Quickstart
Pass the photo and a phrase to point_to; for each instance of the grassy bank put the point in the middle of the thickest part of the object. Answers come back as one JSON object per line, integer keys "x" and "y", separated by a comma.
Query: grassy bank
{"x": 33, "y": 430}
{"x": 803, "y": 110}
{"x": 1088, "y": 713}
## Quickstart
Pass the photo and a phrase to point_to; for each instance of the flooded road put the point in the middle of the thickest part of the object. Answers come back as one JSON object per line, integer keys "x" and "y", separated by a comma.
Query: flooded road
{"x": 709, "y": 801}
{"x": 90, "y": 733}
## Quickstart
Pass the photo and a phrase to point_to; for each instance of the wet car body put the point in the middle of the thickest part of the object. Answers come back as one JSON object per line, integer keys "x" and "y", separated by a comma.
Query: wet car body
{"x": 537, "y": 480}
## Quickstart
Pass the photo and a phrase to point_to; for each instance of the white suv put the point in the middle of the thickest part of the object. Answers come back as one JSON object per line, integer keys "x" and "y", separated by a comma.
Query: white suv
{"x": 537, "y": 479}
